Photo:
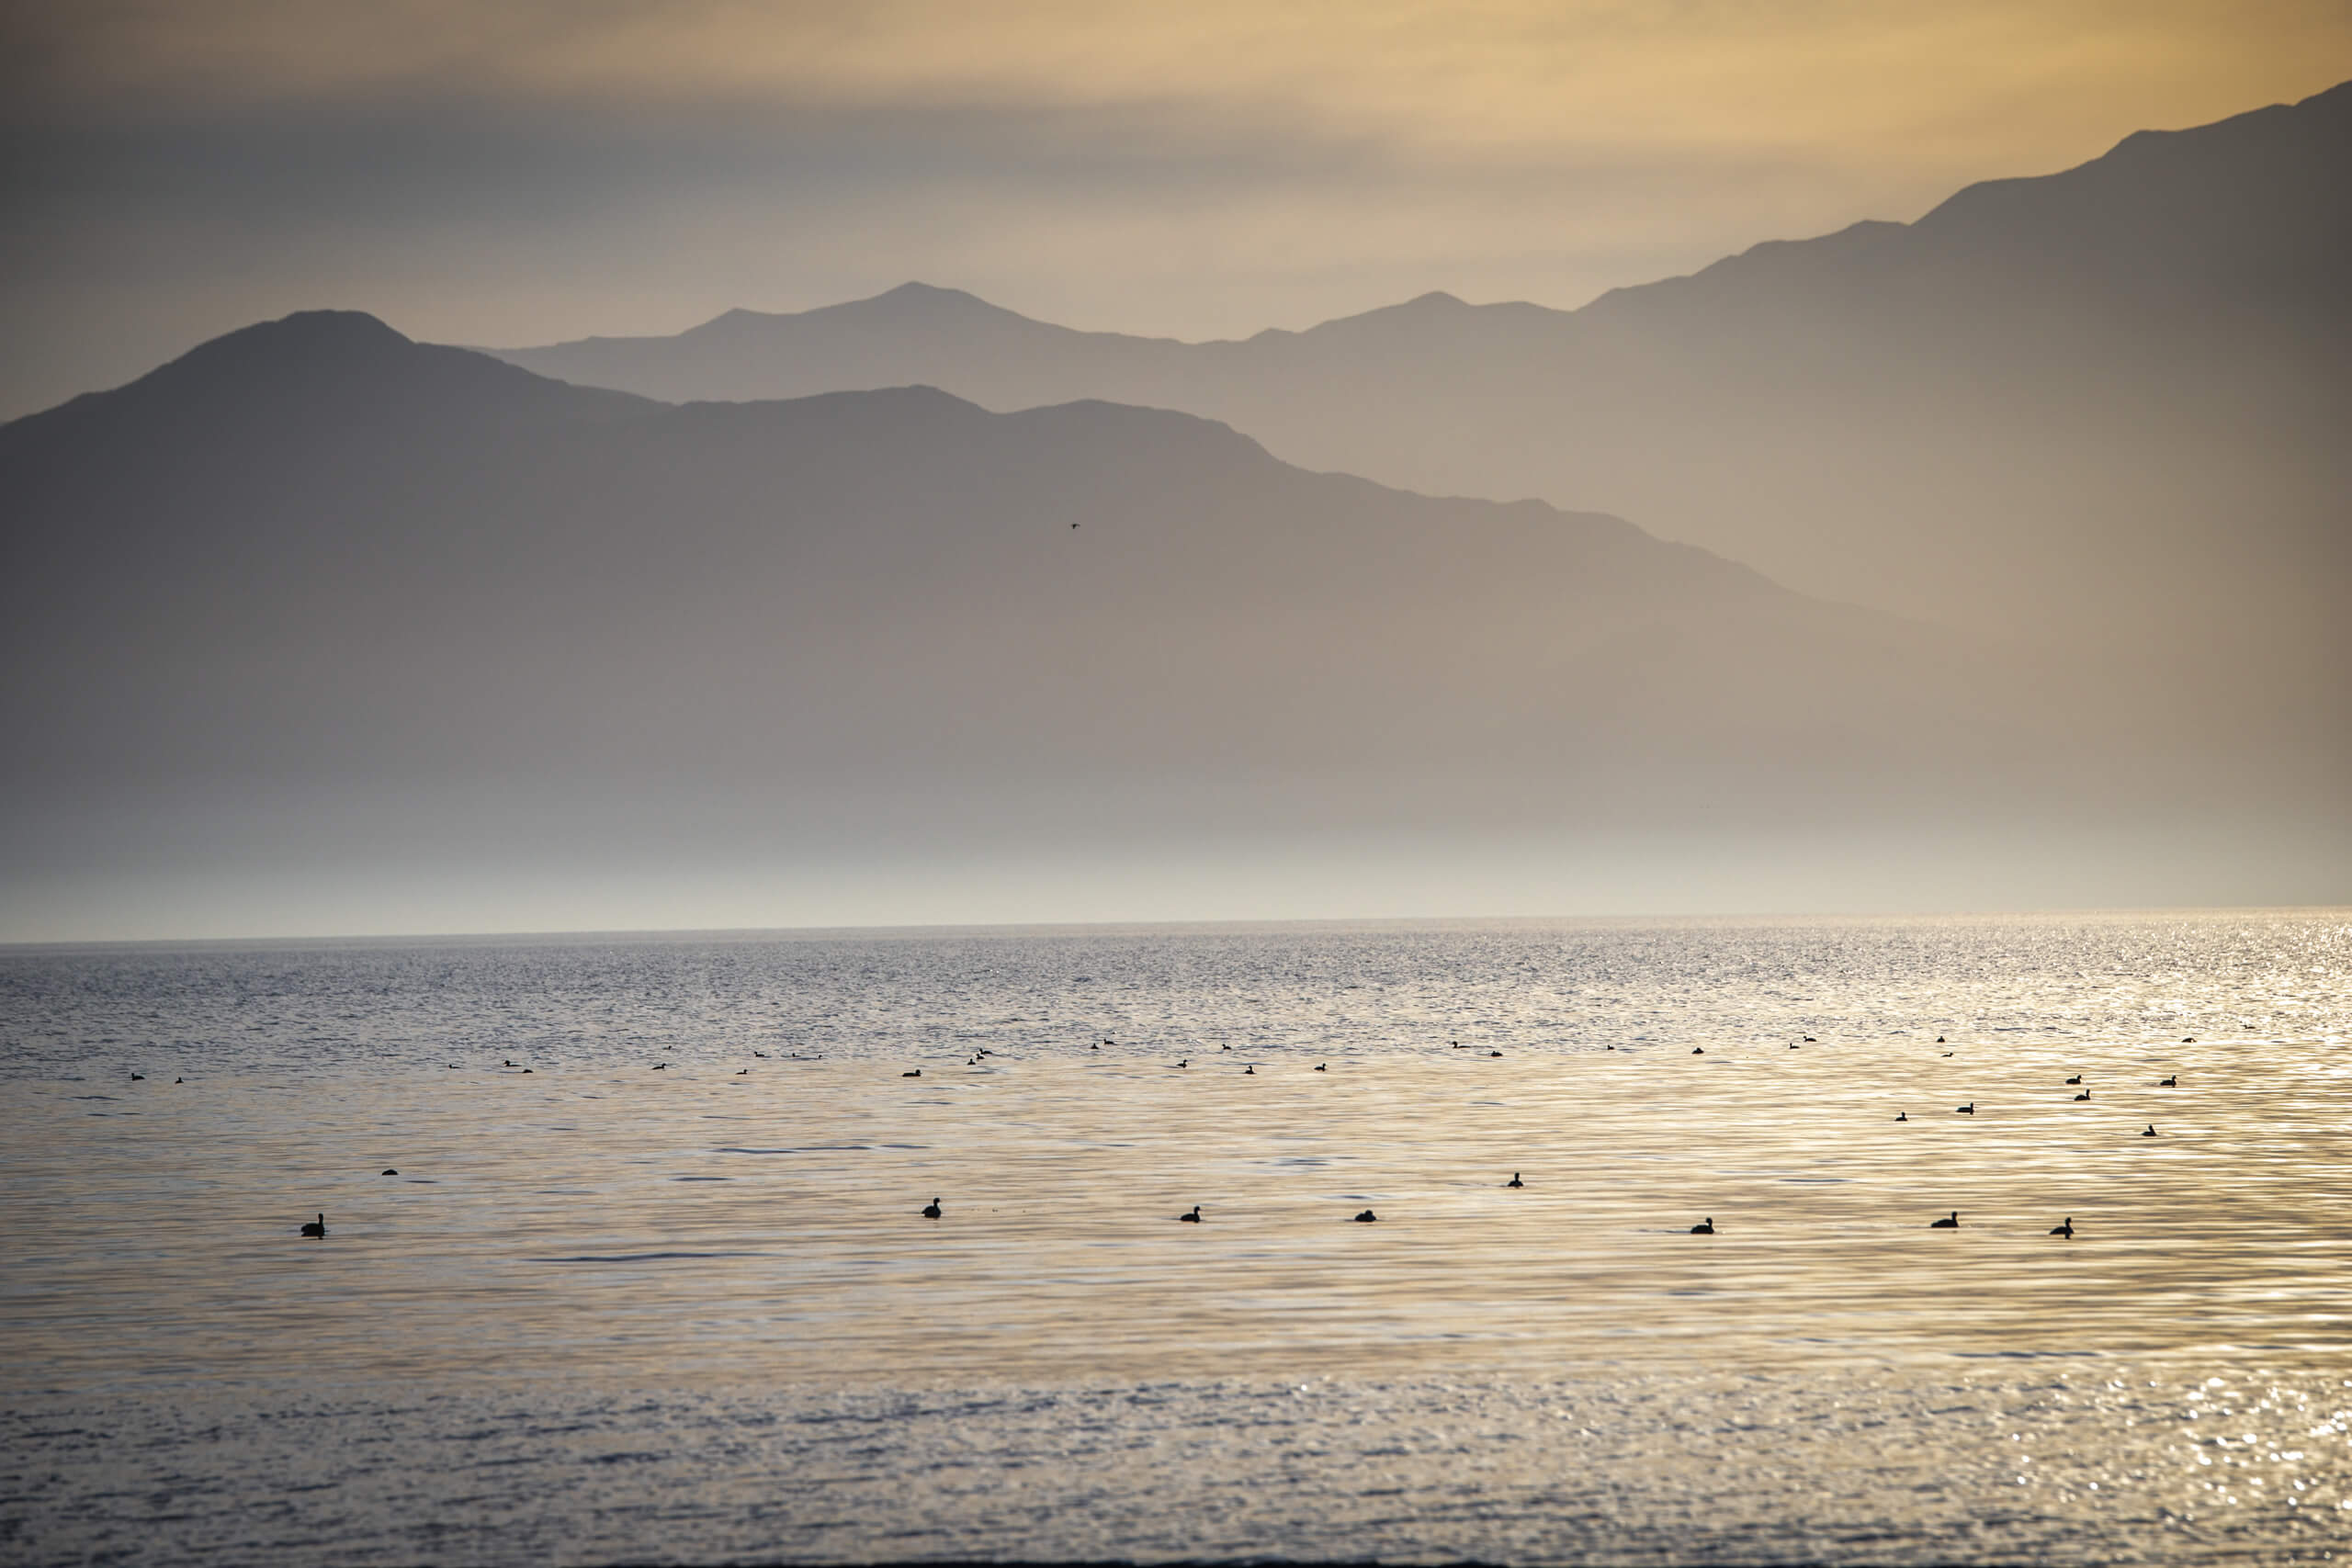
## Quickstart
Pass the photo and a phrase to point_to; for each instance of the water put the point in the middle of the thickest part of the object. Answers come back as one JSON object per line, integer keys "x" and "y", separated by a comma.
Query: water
{"x": 666, "y": 1296}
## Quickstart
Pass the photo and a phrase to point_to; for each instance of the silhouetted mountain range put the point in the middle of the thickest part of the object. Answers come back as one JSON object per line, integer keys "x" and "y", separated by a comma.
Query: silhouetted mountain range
{"x": 313, "y": 559}
{"x": 2101, "y": 411}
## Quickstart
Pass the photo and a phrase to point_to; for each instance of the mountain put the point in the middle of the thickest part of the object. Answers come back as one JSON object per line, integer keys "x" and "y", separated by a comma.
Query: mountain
{"x": 2100, "y": 410}
{"x": 317, "y": 585}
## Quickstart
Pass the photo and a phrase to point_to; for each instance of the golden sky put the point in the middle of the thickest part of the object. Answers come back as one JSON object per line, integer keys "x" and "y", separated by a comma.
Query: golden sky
{"x": 530, "y": 169}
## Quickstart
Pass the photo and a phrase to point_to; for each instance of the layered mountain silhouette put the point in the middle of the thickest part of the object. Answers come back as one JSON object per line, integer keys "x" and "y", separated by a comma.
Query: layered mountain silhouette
{"x": 2102, "y": 412}
{"x": 313, "y": 561}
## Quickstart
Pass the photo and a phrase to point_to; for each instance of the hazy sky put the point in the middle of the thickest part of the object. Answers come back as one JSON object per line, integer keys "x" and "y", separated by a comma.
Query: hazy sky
{"x": 531, "y": 169}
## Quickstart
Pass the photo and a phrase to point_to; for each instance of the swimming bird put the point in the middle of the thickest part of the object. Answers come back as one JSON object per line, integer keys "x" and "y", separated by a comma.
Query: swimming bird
{"x": 1698, "y": 1050}
{"x": 1494, "y": 1053}
{"x": 1810, "y": 1041}
{"x": 2171, "y": 1082}
{"x": 1366, "y": 1218}
{"x": 388, "y": 1172}
{"x": 526, "y": 1069}
{"x": 1967, "y": 1110}
{"x": 762, "y": 1056}
{"x": 1947, "y": 1053}
{"x": 1250, "y": 1072}
{"x": 1514, "y": 1181}
{"x": 740, "y": 1072}
{"x": 660, "y": 1067}
{"x": 316, "y": 1227}
{"x": 2085, "y": 1095}
{"x": 2076, "y": 1078}
{"x": 1939, "y": 1039}
{"x": 1903, "y": 1116}
{"x": 1225, "y": 1047}
{"x": 179, "y": 1080}
{"x": 2151, "y": 1132}
{"x": 930, "y": 1210}
{"x": 510, "y": 1064}
{"x": 1193, "y": 1218}
{"x": 1322, "y": 1066}
{"x": 916, "y": 1074}
{"x": 1704, "y": 1227}
{"x": 2188, "y": 1039}
{"x": 1094, "y": 1048}
{"x": 1950, "y": 1224}
{"x": 2067, "y": 1229}
{"x": 1185, "y": 1063}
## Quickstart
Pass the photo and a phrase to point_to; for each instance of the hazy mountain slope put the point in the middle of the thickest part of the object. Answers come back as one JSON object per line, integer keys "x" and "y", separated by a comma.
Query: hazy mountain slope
{"x": 2101, "y": 409}
{"x": 313, "y": 559}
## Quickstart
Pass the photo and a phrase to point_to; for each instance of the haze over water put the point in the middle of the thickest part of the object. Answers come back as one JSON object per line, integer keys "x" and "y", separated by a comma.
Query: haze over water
{"x": 608, "y": 1312}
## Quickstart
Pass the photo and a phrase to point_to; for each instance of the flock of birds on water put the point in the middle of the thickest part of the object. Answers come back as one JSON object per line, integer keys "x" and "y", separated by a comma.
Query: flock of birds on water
{"x": 933, "y": 1210}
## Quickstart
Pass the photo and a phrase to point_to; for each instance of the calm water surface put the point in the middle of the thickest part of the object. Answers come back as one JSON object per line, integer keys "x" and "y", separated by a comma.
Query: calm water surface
{"x": 666, "y": 1295}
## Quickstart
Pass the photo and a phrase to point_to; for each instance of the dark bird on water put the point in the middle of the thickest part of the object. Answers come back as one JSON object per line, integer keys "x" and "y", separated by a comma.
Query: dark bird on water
{"x": 1366, "y": 1217}
{"x": 316, "y": 1227}
{"x": 179, "y": 1080}
{"x": 916, "y": 1074}
{"x": 1967, "y": 1110}
{"x": 2076, "y": 1078}
{"x": 762, "y": 1056}
{"x": 1698, "y": 1050}
{"x": 1185, "y": 1063}
{"x": 391, "y": 1172}
{"x": 2188, "y": 1039}
{"x": 660, "y": 1067}
{"x": 1950, "y": 1224}
{"x": 930, "y": 1210}
{"x": 1250, "y": 1072}
{"x": 1704, "y": 1227}
{"x": 1193, "y": 1218}
{"x": 2085, "y": 1095}
{"x": 2151, "y": 1132}
{"x": 2171, "y": 1082}
{"x": 2065, "y": 1229}
{"x": 1903, "y": 1116}
{"x": 1939, "y": 1039}
{"x": 1514, "y": 1181}
{"x": 742, "y": 1072}
{"x": 1810, "y": 1041}
{"x": 1494, "y": 1053}
{"x": 1322, "y": 1066}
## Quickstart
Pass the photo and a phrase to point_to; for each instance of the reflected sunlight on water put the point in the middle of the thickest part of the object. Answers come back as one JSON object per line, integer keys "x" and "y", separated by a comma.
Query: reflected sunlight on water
{"x": 705, "y": 1190}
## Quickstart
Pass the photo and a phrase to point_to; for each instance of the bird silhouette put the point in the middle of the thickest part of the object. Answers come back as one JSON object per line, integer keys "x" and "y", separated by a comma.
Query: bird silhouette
{"x": 916, "y": 1074}
{"x": 388, "y": 1172}
{"x": 2085, "y": 1095}
{"x": 1704, "y": 1227}
{"x": 1698, "y": 1050}
{"x": 1193, "y": 1218}
{"x": 2171, "y": 1082}
{"x": 1903, "y": 1116}
{"x": 2076, "y": 1078}
{"x": 2151, "y": 1132}
{"x": 1322, "y": 1066}
{"x": 316, "y": 1227}
{"x": 930, "y": 1210}
{"x": 1514, "y": 1181}
{"x": 1950, "y": 1224}
{"x": 2065, "y": 1229}
{"x": 1366, "y": 1218}
{"x": 1967, "y": 1110}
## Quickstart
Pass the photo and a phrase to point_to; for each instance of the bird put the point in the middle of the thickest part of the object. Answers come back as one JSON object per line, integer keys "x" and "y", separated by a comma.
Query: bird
{"x": 660, "y": 1067}
{"x": 316, "y": 1227}
{"x": 1193, "y": 1218}
{"x": 1366, "y": 1218}
{"x": 138, "y": 1078}
{"x": 1793, "y": 1045}
{"x": 1698, "y": 1050}
{"x": 2171, "y": 1082}
{"x": 1185, "y": 1063}
{"x": 2151, "y": 1132}
{"x": 526, "y": 1069}
{"x": 2085, "y": 1095}
{"x": 762, "y": 1056}
{"x": 2188, "y": 1039}
{"x": 742, "y": 1072}
{"x": 179, "y": 1080}
{"x": 388, "y": 1172}
{"x": 930, "y": 1210}
{"x": 2076, "y": 1078}
{"x": 510, "y": 1064}
{"x": 916, "y": 1074}
{"x": 1250, "y": 1072}
{"x": 1967, "y": 1110}
{"x": 1950, "y": 1224}
{"x": 1225, "y": 1047}
{"x": 2065, "y": 1229}
{"x": 1094, "y": 1048}
{"x": 1514, "y": 1181}
{"x": 1322, "y": 1066}
{"x": 1494, "y": 1053}
{"x": 1939, "y": 1039}
{"x": 1704, "y": 1227}
{"x": 1947, "y": 1053}
{"x": 1903, "y": 1116}
{"x": 1810, "y": 1041}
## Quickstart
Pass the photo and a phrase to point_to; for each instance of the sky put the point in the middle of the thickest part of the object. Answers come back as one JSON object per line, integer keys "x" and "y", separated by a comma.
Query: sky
{"x": 531, "y": 171}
